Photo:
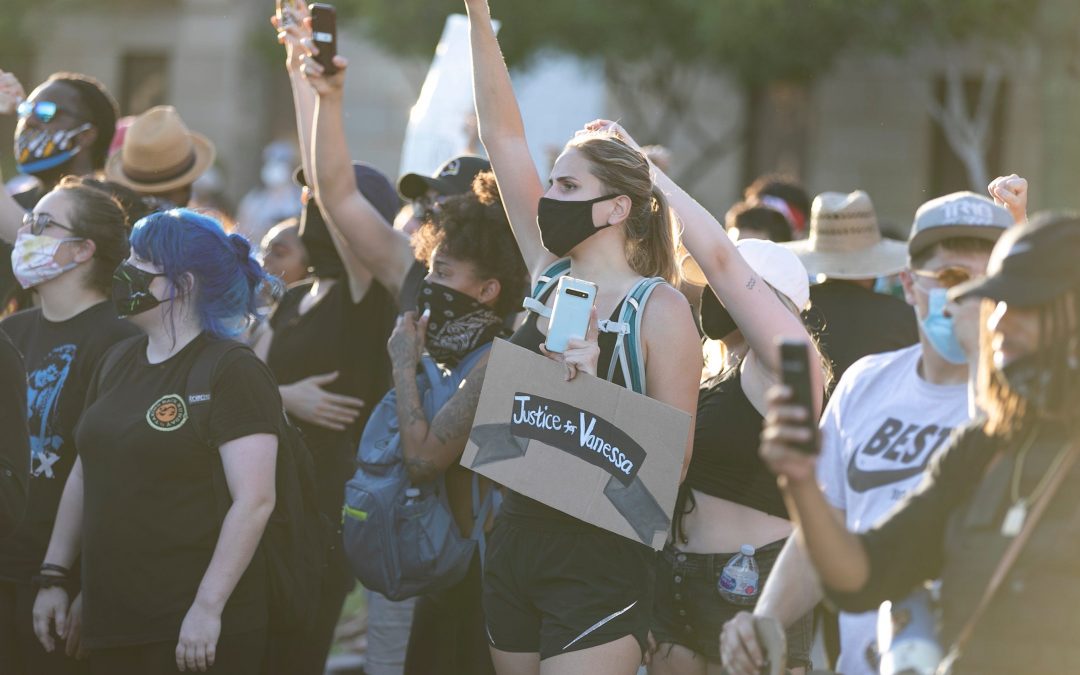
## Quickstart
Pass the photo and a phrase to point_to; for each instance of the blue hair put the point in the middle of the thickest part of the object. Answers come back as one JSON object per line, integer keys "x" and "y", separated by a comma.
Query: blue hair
{"x": 228, "y": 280}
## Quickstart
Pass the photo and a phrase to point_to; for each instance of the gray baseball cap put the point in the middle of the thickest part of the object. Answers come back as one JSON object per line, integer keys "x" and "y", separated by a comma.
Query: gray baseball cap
{"x": 960, "y": 214}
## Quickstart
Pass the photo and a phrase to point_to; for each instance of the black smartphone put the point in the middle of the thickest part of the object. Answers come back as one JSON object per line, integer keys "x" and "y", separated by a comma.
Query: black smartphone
{"x": 324, "y": 34}
{"x": 795, "y": 373}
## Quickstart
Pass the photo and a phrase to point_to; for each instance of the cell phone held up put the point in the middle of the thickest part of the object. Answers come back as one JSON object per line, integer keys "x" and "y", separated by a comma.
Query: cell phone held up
{"x": 571, "y": 313}
{"x": 324, "y": 35}
{"x": 795, "y": 374}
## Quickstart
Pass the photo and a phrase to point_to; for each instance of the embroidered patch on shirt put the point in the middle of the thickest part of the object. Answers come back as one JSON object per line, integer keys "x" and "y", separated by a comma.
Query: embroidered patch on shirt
{"x": 167, "y": 414}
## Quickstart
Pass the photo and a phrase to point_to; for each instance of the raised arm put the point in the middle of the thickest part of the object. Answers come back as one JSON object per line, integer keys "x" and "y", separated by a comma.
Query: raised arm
{"x": 384, "y": 251}
{"x": 503, "y": 134}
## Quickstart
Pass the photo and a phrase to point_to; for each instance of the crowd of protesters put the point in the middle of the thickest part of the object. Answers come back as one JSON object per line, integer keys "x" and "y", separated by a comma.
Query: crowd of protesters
{"x": 151, "y": 490}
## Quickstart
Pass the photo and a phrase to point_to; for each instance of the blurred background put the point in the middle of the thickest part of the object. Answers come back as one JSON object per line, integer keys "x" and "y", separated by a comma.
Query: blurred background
{"x": 906, "y": 99}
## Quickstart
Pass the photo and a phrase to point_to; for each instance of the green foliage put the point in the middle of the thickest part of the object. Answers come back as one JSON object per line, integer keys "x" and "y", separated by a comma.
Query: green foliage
{"x": 755, "y": 40}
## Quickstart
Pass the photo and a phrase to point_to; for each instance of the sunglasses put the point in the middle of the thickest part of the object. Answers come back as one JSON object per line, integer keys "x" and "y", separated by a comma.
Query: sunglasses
{"x": 946, "y": 277}
{"x": 37, "y": 222}
{"x": 45, "y": 111}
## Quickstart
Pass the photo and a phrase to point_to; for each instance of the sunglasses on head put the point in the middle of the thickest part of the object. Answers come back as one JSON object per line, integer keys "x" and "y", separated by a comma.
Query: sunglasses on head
{"x": 37, "y": 222}
{"x": 946, "y": 277}
{"x": 45, "y": 111}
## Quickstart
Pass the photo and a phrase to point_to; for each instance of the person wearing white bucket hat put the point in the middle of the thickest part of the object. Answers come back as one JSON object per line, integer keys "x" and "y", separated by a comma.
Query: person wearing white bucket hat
{"x": 844, "y": 254}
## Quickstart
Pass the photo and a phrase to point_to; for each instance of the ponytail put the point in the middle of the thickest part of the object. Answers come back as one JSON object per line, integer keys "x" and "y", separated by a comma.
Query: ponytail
{"x": 651, "y": 240}
{"x": 651, "y": 237}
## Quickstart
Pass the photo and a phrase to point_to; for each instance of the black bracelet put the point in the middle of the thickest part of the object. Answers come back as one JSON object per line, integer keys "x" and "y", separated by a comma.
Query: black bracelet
{"x": 49, "y": 567}
{"x": 50, "y": 581}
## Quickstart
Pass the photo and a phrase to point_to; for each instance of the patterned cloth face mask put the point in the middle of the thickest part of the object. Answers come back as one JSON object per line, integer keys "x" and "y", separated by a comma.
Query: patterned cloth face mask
{"x": 458, "y": 323}
{"x": 33, "y": 260}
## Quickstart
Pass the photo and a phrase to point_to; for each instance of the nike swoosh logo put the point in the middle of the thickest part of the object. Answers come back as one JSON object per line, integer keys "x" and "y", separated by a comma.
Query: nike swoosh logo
{"x": 864, "y": 481}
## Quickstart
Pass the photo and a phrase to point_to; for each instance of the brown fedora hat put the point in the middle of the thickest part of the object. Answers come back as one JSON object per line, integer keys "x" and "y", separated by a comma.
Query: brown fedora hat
{"x": 160, "y": 153}
{"x": 845, "y": 240}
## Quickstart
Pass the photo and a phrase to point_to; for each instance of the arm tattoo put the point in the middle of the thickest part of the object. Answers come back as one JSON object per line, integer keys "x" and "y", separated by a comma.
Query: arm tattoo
{"x": 751, "y": 282}
{"x": 416, "y": 414}
{"x": 421, "y": 470}
{"x": 456, "y": 418}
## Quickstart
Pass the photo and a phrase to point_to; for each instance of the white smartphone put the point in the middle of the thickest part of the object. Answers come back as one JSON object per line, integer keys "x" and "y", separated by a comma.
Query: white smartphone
{"x": 571, "y": 312}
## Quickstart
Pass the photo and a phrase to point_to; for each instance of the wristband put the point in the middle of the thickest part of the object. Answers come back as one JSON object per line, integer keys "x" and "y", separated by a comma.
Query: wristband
{"x": 50, "y": 581}
{"x": 49, "y": 567}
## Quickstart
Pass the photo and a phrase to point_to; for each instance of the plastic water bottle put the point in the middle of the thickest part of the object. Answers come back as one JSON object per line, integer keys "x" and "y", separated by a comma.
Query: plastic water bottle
{"x": 412, "y": 495}
{"x": 739, "y": 581}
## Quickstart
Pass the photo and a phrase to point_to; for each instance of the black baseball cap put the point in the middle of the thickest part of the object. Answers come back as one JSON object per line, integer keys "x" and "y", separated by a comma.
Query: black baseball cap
{"x": 373, "y": 184}
{"x": 455, "y": 177}
{"x": 1032, "y": 263}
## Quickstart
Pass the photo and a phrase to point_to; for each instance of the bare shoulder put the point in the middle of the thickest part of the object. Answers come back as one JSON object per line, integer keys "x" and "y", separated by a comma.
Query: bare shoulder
{"x": 668, "y": 315}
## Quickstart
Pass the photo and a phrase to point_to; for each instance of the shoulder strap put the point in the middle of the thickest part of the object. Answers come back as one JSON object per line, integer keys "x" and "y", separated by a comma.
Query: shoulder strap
{"x": 545, "y": 283}
{"x": 197, "y": 391}
{"x": 1009, "y": 558}
{"x": 628, "y": 353}
{"x": 113, "y": 357}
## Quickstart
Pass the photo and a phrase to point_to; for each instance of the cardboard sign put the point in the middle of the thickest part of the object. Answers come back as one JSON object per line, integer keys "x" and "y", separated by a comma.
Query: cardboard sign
{"x": 594, "y": 450}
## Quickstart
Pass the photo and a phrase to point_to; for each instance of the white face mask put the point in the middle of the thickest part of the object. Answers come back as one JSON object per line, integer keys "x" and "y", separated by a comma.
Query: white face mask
{"x": 33, "y": 260}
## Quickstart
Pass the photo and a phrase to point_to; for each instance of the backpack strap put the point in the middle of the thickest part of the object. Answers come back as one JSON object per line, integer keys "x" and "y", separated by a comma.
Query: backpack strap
{"x": 197, "y": 391}
{"x": 628, "y": 354}
{"x": 112, "y": 358}
{"x": 545, "y": 284}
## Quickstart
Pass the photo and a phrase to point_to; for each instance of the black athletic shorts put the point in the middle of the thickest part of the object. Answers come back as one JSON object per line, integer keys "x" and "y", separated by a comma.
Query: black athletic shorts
{"x": 689, "y": 611}
{"x": 552, "y": 590}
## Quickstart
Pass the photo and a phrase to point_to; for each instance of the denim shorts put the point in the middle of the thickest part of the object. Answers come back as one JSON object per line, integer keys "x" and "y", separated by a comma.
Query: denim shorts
{"x": 689, "y": 611}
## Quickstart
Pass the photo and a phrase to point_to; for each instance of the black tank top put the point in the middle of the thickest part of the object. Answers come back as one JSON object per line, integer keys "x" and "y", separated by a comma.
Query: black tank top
{"x": 518, "y": 507}
{"x": 726, "y": 463}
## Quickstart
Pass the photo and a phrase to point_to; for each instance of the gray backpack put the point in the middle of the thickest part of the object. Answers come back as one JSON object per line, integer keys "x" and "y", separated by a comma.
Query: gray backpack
{"x": 401, "y": 539}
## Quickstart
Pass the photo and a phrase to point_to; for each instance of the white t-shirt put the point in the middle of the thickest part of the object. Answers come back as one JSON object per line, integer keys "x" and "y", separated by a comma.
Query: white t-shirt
{"x": 878, "y": 433}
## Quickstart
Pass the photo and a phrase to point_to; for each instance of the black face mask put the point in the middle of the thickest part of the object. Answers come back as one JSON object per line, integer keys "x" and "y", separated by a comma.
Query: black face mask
{"x": 323, "y": 258}
{"x": 458, "y": 323}
{"x": 716, "y": 322}
{"x": 564, "y": 225}
{"x": 131, "y": 290}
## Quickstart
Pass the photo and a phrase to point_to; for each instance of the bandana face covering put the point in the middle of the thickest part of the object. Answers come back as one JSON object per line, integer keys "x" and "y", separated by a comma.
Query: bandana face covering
{"x": 131, "y": 290}
{"x": 458, "y": 323}
{"x": 33, "y": 260}
{"x": 38, "y": 150}
{"x": 564, "y": 224}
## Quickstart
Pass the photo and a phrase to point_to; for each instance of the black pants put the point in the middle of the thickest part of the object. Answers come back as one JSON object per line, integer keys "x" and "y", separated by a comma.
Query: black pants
{"x": 237, "y": 654}
{"x": 304, "y": 653}
{"x": 448, "y": 635}
{"x": 20, "y": 651}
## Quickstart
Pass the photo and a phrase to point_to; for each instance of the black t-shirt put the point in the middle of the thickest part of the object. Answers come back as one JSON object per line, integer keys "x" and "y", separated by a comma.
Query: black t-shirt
{"x": 950, "y": 528}
{"x": 60, "y": 358}
{"x": 852, "y": 322}
{"x": 340, "y": 335}
{"x": 151, "y": 516}
{"x": 15, "y": 446}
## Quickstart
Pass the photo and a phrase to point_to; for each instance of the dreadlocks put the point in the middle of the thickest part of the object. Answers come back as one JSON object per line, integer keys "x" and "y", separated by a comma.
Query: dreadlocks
{"x": 1056, "y": 392}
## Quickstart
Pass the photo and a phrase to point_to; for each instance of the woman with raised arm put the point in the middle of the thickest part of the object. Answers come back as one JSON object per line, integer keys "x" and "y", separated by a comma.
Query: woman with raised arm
{"x": 469, "y": 278}
{"x": 562, "y": 595}
{"x": 326, "y": 344}
{"x": 728, "y": 499}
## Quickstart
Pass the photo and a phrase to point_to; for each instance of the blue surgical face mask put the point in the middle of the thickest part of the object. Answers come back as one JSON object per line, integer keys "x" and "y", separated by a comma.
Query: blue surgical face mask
{"x": 939, "y": 329}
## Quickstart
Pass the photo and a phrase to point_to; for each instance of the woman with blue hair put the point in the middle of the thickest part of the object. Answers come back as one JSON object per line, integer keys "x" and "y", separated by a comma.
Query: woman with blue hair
{"x": 168, "y": 581}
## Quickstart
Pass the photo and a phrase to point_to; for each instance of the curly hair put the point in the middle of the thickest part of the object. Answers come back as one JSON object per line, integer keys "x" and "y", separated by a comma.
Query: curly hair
{"x": 472, "y": 227}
